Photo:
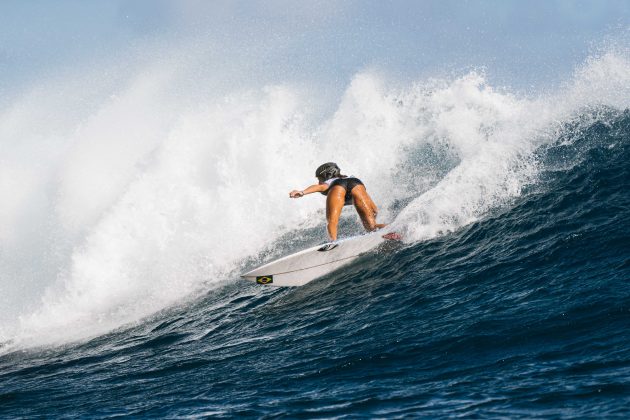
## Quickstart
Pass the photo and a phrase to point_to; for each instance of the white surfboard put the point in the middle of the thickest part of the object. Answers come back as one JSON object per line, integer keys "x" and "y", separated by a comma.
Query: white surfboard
{"x": 305, "y": 266}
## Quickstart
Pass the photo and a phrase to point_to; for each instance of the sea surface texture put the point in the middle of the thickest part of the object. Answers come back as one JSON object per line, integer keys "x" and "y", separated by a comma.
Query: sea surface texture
{"x": 508, "y": 297}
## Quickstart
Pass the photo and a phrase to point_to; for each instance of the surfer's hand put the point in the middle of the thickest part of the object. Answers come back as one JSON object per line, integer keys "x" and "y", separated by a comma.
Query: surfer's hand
{"x": 296, "y": 194}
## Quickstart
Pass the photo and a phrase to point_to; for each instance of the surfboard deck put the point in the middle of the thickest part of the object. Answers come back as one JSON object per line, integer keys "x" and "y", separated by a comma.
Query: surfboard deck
{"x": 307, "y": 265}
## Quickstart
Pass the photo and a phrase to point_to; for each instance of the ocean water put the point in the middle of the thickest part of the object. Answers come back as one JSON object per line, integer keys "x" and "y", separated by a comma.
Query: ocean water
{"x": 123, "y": 243}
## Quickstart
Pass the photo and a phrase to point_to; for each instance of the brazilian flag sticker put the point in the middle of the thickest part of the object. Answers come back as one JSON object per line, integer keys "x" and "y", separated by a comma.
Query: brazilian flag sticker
{"x": 264, "y": 279}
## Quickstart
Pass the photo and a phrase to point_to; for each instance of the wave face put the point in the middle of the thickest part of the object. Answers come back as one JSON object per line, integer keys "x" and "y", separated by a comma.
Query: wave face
{"x": 120, "y": 261}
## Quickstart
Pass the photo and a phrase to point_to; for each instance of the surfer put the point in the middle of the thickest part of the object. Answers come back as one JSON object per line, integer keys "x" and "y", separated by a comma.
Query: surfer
{"x": 341, "y": 190}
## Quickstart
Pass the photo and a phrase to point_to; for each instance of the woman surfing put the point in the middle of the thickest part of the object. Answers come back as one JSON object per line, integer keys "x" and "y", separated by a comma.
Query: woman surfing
{"x": 341, "y": 190}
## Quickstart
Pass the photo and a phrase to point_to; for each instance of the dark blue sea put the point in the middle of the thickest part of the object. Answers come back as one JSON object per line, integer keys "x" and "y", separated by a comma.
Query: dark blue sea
{"x": 521, "y": 313}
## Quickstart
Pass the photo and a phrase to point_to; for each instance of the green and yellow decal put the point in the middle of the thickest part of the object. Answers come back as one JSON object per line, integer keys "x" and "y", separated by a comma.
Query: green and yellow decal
{"x": 264, "y": 279}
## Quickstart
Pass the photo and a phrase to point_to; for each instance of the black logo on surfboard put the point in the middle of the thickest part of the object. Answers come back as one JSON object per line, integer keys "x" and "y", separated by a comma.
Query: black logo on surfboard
{"x": 264, "y": 279}
{"x": 328, "y": 247}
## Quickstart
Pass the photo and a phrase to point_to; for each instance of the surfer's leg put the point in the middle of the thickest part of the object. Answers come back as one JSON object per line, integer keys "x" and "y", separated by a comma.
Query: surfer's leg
{"x": 334, "y": 204}
{"x": 366, "y": 208}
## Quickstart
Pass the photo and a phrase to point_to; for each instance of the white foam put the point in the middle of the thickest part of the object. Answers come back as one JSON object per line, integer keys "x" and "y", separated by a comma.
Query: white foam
{"x": 494, "y": 135}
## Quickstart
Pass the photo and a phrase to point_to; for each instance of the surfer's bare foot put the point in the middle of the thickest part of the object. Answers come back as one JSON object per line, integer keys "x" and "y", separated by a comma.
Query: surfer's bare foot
{"x": 393, "y": 236}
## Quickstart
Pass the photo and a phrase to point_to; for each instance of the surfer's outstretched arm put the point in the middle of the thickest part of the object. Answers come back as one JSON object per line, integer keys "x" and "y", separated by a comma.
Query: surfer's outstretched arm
{"x": 308, "y": 190}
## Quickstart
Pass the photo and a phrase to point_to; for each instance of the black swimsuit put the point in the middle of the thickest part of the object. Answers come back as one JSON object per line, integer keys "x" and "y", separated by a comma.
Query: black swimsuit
{"x": 348, "y": 184}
